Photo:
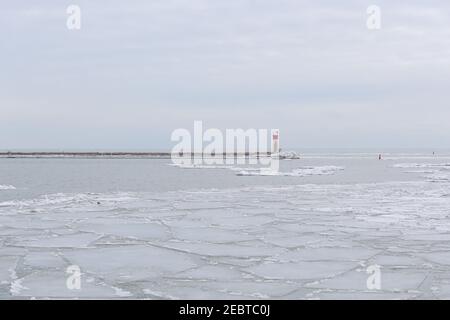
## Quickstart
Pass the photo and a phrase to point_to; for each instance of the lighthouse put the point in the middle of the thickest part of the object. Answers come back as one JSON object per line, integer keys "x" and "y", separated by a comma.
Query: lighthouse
{"x": 275, "y": 141}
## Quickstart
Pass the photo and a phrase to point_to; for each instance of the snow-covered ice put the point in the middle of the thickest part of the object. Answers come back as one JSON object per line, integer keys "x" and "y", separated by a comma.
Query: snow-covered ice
{"x": 299, "y": 172}
{"x": 434, "y": 172}
{"x": 302, "y": 171}
{"x": 7, "y": 187}
{"x": 304, "y": 241}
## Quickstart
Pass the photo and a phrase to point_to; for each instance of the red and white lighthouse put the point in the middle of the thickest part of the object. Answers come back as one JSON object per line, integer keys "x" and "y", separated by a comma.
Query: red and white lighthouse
{"x": 275, "y": 141}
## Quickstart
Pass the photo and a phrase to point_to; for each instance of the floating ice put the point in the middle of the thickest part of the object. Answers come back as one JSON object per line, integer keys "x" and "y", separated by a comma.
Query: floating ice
{"x": 43, "y": 260}
{"x": 433, "y": 172}
{"x": 299, "y": 241}
{"x": 7, "y": 187}
{"x": 422, "y": 165}
{"x": 130, "y": 263}
{"x": 288, "y": 155}
{"x": 300, "y": 270}
{"x": 300, "y": 172}
{"x": 52, "y": 284}
{"x": 200, "y": 166}
{"x": 7, "y": 266}
{"x": 54, "y": 241}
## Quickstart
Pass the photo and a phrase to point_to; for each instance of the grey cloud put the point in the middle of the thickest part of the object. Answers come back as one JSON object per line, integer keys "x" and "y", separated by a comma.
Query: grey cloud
{"x": 310, "y": 68}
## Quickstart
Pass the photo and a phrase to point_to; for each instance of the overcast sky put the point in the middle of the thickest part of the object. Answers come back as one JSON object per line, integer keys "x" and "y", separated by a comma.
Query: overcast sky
{"x": 137, "y": 70}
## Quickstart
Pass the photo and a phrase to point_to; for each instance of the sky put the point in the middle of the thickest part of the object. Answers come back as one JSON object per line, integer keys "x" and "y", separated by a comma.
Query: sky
{"x": 138, "y": 70}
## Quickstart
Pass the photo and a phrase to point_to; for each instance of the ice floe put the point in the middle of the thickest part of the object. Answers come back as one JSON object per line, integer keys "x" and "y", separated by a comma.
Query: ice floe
{"x": 434, "y": 172}
{"x": 299, "y": 241}
{"x": 300, "y": 172}
{"x": 7, "y": 187}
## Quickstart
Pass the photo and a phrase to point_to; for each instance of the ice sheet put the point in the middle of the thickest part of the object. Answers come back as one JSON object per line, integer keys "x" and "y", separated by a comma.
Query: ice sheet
{"x": 300, "y": 172}
{"x": 301, "y": 241}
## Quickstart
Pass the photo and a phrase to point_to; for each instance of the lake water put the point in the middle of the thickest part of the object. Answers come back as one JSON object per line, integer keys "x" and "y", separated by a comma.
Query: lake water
{"x": 143, "y": 228}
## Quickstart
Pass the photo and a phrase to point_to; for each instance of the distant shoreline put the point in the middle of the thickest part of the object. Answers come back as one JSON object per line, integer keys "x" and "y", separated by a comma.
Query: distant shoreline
{"x": 87, "y": 155}
{"x": 114, "y": 155}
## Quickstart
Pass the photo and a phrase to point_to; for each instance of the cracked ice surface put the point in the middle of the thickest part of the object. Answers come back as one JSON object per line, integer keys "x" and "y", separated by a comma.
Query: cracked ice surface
{"x": 293, "y": 242}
